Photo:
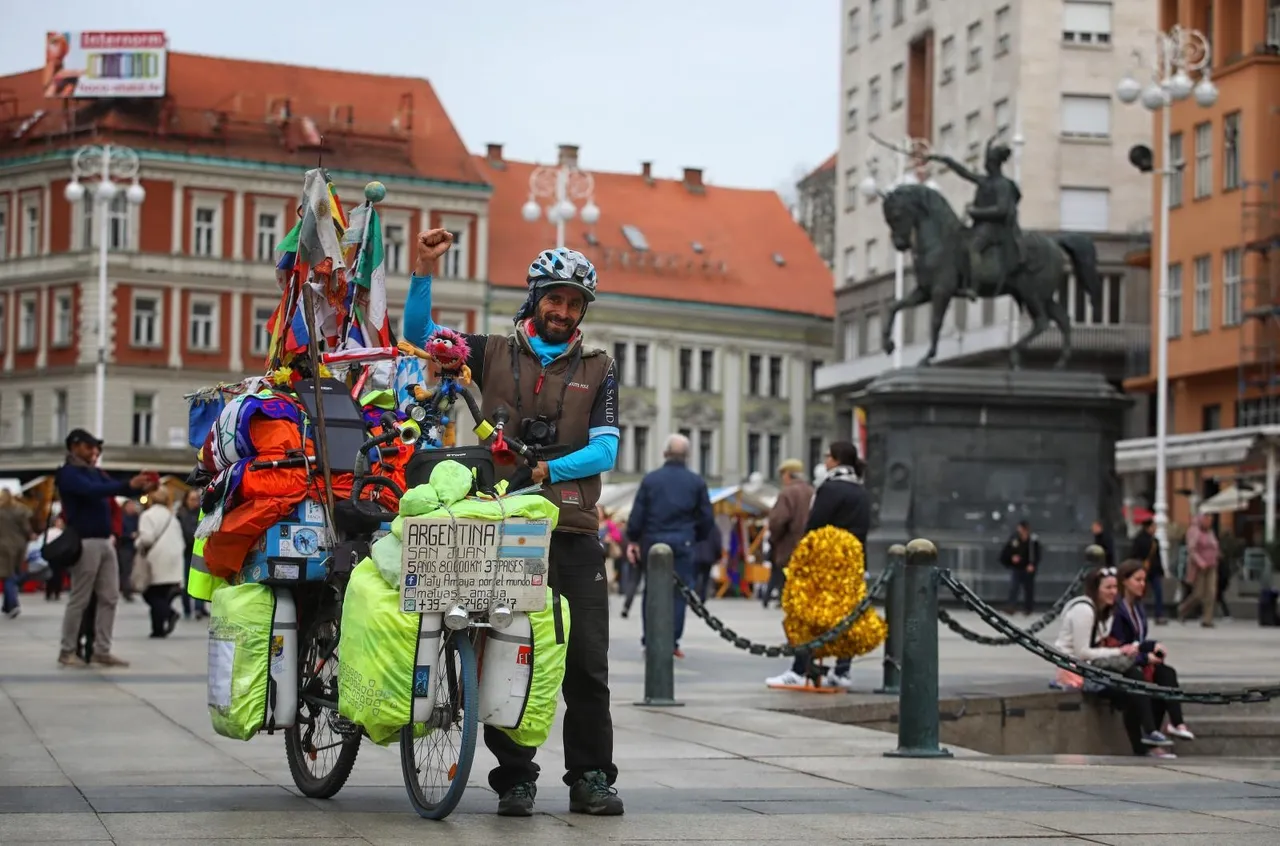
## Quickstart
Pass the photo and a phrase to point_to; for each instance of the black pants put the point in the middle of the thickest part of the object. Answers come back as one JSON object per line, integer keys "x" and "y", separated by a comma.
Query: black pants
{"x": 777, "y": 583}
{"x": 577, "y": 572}
{"x": 1024, "y": 581}
{"x": 160, "y": 598}
{"x": 1144, "y": 714}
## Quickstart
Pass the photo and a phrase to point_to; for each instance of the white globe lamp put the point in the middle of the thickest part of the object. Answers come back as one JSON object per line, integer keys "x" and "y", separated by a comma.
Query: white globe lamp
{"x": 136, "y": 194}
{"x": 74, "y": 192}
{"x": 531, "y": 212}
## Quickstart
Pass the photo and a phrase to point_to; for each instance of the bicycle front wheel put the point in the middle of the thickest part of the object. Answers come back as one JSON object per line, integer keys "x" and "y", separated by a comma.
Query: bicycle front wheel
{"x": 436, "y": 757}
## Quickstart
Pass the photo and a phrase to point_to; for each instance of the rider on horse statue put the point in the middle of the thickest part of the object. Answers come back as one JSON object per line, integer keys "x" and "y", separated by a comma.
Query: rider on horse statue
{"x": 994, "y": 212}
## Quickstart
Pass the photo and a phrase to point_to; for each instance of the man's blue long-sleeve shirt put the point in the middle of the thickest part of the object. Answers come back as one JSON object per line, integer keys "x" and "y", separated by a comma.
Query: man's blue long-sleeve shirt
{"x": 85, "y": 492}
{"x": 601, "y": 452}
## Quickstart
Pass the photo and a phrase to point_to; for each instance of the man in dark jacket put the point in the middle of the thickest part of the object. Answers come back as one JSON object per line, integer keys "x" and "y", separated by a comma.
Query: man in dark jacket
{"x": 1021, "y": 554}
{"x": 1102, "y": 537}
{"x": 787, "y": 521}
{"x": 85, "y": 491}
{"x": 840, "y": 501}
{"x": 1147, "y": 550}
{"x": 673, "y": 507}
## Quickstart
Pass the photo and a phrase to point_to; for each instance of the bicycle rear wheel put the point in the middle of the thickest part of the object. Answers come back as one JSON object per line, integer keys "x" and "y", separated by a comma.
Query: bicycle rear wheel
{"x": 321, "y": 746}
{"x": 437, "y": 764}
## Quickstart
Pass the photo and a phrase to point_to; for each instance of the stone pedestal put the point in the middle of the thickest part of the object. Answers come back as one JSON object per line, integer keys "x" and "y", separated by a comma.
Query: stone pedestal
{"x": 959, "y": 456}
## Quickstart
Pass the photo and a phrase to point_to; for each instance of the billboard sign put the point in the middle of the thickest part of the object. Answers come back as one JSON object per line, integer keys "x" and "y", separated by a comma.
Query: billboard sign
{"x": 105, "y": 64}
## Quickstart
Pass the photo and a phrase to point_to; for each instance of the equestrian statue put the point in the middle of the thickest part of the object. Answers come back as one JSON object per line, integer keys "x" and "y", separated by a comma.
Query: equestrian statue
{"x": 991, "y": 258}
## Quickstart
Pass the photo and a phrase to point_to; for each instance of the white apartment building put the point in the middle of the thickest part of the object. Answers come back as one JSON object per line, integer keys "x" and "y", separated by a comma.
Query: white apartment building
{"x": 1041, "y": 74}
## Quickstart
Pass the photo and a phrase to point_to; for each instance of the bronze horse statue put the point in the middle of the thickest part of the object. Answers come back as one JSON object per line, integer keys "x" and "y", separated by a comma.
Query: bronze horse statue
{"x": 921, "y": 220}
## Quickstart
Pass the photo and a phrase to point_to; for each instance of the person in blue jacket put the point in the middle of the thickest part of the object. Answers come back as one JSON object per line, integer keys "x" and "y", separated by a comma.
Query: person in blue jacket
{"x": 85, "y": 489}
{"x": 672, "y": 506}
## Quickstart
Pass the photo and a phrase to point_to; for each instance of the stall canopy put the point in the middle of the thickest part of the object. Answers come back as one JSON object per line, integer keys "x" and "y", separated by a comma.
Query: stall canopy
{"x": 1235, "y": 498}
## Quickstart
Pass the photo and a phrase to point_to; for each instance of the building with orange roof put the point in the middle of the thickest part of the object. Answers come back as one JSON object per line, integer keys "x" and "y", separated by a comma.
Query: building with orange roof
{"x": 191, "y": 270}
{"x": 712, "y": 299}
{"x": 1223, "y": 306}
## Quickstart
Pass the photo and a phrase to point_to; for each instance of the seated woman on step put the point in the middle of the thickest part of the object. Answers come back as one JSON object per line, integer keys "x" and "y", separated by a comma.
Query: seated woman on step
{"x": 1086, "y": 626}
{"x": 1129, "y": 625}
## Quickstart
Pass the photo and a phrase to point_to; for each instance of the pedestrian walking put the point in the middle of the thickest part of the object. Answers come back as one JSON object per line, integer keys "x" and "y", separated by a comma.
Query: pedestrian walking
{"x": 160, "y": 545}
{"x": 15, "y": 534}
{"x": 787, "y": 521}
{"x": 1021, "y": 554}
{"x": 1203, "y": 555}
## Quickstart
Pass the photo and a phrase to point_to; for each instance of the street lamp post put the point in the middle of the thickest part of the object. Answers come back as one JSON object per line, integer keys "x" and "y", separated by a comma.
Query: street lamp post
{"x": 562, "y": 185}
{"x": 909, "y": 157}
{"x": 1178, "y": 53}
{"x": 103, "y": 162}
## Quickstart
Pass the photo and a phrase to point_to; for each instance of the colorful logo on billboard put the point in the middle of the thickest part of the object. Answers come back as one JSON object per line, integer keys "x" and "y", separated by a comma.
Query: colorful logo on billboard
{"x": 105, "y": 64}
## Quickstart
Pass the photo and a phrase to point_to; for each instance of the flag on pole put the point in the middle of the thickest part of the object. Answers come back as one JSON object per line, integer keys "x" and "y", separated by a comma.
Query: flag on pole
{"x": 371, "y": 277}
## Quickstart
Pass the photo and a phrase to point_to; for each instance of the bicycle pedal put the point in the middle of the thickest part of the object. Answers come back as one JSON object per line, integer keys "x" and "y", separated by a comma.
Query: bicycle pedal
{"x": 344, "y": 726}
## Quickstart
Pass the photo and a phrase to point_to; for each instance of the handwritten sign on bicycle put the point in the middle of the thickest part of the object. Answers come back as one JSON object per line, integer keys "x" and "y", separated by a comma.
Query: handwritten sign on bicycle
{"x": 473, "y": 562}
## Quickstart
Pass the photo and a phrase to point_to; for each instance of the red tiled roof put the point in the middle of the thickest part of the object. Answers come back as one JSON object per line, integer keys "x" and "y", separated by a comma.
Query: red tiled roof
{"x": 740, "y": 232}
{"x": 235, "y": 94}
{"x": 829, "y": 164}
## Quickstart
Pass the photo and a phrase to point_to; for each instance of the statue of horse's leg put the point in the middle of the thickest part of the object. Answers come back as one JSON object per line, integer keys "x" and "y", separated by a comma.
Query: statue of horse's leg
{"x": 918, "y": 296}
{"x": 946, "y": 283}
{"x": 1058, "y": 314}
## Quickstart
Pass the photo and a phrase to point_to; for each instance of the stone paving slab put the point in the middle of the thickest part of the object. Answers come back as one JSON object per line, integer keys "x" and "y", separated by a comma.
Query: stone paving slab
{"x": 129, "y": 757}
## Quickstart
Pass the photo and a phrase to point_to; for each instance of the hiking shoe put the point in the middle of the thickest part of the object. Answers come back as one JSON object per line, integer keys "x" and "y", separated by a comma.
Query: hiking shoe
{"x": 592, "y": 795}
{"x": 70, "y": 659}
{"x": 1156, "y": 738}
{"x": 518, "y": 801}
{"x": 106, "y": 659}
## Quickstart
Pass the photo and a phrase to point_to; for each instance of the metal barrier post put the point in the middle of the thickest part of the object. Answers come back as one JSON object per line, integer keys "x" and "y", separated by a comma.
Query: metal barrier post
{"x": 918, "y": 701}
{"x": 894, "y": 609}
{"x": 659, "y": 628}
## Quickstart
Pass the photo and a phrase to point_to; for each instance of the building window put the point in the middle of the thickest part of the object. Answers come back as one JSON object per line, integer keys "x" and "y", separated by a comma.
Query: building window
{"x": 640, "y": 449}
{"x": 118, "y": 222}
{"x": 851, "y": 340}
{"x": 873, "y": 98}
{"x": 972, "y": 140}
{"x": 706, "y": 452}
{"x": 1003, "y": 118}
{"x": 753, "y": 452}
{"x": 899, "y": 12}
{"x": 973, "y": 44}
{"x": 261, "y": 334}
{"x": 753, "y": 375}
{"x": 1177, "y": 164}
{"x": 4, "y": 234}
{"x": 146, "y": 321}
{"x": 706, "y": 371}
{"x": 640, "y": 373}
{"x": 877, "y": 18}
{"x": 922, "y": 5}
{"x": 815, "y": 454}
{"x": 686, "y": 369}
{"x": 1273, "y": 24}
{"x": 1085, "y": 116}
{"x": 1211, "y": 417}
{"x": 1203, "y": 294}
{"x": 62, "y": 315}
{"x": 775, "y": 454}
{"x": 204, "y": 234}
{"x": 1085, "y": 209}
{"x": 60, "y": 416}
{"x": 30, "y": 227}
{"x": 850, "y": 265}
{"x": 851, "y": 189}
{"x": 1232, "y": 299}
{"x": 775, "y": 376}
{"x": 268, "y": 236}
{"x": 851, "y": 110}
{"x": 947, "y": 139}
{"x": 28, "y": 419}
{"x": 143, "y": 419}
{"x": 4, "y": 321}
{"x": 1086, "y": 22}
{"x": 28, "y": 322}
{"x": 814, "y": 366}
{"x": 453, "y": 263}
{"x": 203, "y": 325}
{"x": 1110, "y": 311}
{"x": 620, "y": 359}
{"x": 947, "y": 60}
{"x": 1231, "y": 152}
{"x": 897, "y": 84}
{"x": 1204, "y": 160}
{"x": 1003, "y": 36}
{"x": 854, "y": 33}
{"x": 872, "y": 267}
{"x": 1174, "y": 317}
{"x": 393, "y": 248}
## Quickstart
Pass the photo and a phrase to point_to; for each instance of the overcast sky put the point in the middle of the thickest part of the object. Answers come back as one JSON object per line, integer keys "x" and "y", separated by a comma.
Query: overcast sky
{"x": 746, "y": 89}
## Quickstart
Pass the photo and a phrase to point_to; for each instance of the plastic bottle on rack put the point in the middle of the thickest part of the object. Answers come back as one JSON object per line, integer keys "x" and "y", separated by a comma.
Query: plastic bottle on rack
{"x": 282, "y": 698}
{"x": 430, "y": 629}
{"x": 506, "y": 673}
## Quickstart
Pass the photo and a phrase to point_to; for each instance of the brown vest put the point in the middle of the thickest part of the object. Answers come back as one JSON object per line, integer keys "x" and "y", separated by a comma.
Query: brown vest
{"x": 577, "y": 376}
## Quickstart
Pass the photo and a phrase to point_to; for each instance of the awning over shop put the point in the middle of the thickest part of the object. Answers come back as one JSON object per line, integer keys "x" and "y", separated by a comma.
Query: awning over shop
{"x": 1236, "y": 498}
{"x": 1219, "y": 448}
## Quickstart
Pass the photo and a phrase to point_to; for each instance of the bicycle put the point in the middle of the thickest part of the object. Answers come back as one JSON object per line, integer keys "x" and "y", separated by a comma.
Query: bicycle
{"x": 455, "y": 702}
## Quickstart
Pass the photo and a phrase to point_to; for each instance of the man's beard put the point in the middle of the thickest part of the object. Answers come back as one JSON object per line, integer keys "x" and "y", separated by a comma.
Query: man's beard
{"x": 552, "y": 334}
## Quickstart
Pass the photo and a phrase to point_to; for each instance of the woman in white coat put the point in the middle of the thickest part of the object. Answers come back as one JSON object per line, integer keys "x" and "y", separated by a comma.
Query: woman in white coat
{"x": 160, "y": 539}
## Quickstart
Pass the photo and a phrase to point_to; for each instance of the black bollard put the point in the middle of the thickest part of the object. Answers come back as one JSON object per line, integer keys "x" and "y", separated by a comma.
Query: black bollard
{"x": 659, "y": 629}
{"x": 918, "y": 701}
{"x": 894, "y": 609}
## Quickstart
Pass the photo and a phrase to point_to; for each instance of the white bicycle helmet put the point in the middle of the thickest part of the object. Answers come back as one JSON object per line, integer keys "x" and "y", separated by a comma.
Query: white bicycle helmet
{"x": 560, "y": 266}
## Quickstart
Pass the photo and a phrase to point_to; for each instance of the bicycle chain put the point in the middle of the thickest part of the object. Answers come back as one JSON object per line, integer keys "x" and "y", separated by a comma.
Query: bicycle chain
{"x": 1105, "y": 678}
{"x": 786, "y": 650}
{"x": 1047, "y": 618}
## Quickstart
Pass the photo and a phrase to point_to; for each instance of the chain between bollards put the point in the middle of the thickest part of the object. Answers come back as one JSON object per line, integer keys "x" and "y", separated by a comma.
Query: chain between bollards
{"x": 894, "y": 611}
{"x": 918, "y": 698}
{"x": 659, "y": 629}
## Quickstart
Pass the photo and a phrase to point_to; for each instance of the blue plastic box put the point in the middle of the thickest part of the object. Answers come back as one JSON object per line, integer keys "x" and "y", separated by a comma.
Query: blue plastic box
{"x": 295, "y": 549}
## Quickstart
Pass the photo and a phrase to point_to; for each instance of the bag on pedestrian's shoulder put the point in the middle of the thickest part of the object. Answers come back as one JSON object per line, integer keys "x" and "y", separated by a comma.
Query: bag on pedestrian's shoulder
{"x": 62, "y": 551}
